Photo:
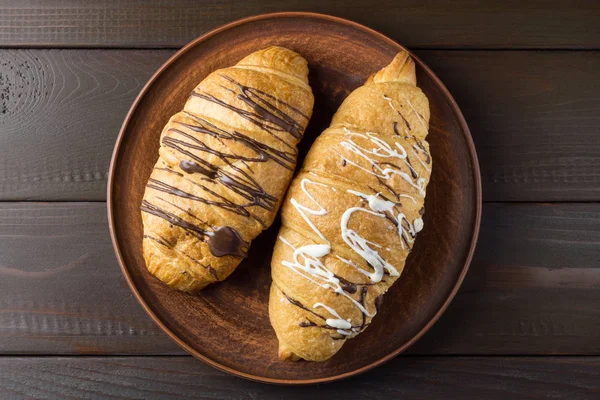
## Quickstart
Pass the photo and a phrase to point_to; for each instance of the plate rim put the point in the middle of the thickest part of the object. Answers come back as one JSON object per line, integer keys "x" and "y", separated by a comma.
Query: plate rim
{"x": 476, "y": 176}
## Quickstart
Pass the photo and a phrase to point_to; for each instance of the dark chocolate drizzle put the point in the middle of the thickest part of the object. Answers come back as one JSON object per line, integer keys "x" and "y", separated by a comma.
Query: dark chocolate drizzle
{"x": 190, "y": 167}
{"x": 174, "y": 220}
{"x": 226, "y": 241}
{"x": 406, "y": 228}
{"x": 425, "y": 152}
{"x": 159, "y": 241}
{"x": 363, "y": 296}
{"x": 226, "y": 204}
{"x": 222, "y": 241}
{"x": 413, "y": 173}
{"x": 264, "y": 152}
{"x": 236, "y": 208}
{"x": 263, "y": 112}
{"x": 213, "y": 272}
{"x": 267, "y": 110}
{"x": 405, "y": 121}
{"x": 169, "y": 170}
{"x": 387, "y": 185}
{"x": 347, "y": 286}
{"x": 241, "y": 182}
{"x": 298, "y": 304}
{"x": 180, "y": 208}
{"x": 244, "y": 184}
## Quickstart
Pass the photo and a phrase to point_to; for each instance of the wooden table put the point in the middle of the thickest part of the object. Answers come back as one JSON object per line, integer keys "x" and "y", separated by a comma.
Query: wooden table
{"x": 526, "y": 323}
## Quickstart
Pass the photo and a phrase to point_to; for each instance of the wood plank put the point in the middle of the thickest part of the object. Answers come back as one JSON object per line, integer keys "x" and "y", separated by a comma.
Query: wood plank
{"x": 60, "y": 113}
{"x": 410, "y": 377}
{"x": 536, "y": 127}
{"x": 423, "y": 23}
{"x": 532, "y": 288}
{"x": 534, "y": 119}
{"x": 61, "y": 289}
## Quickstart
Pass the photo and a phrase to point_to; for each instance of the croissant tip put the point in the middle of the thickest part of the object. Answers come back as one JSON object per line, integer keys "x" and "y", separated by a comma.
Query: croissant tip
{"x": 401, "y": 69}
{"x": 287, "y": 355}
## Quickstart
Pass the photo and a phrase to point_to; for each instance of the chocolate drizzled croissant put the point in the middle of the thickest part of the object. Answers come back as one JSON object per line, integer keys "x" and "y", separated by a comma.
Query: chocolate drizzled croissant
{"x": 225, "y": 162}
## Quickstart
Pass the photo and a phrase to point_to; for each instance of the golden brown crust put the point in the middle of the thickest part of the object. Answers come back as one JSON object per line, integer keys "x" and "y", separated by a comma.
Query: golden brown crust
{"x": 353, "y": 210}
{"x": 224, "y": 164}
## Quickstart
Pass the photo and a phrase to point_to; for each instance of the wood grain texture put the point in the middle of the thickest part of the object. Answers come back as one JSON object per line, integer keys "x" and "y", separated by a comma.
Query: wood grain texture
{"x": 404, "y": 377}
{"x": 60, "y": 112}
{"x": 534, "y": 119}
{"x": 61, "y": 290}
{"x": 537, "y": 129}
{"x": 532, "y": 287}
{"x": 163, "y": 23}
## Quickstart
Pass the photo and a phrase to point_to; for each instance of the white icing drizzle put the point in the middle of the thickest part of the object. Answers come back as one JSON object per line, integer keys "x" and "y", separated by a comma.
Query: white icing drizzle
{"x": 409, "y": 233}
{"x": 415, "y": 147}
{"x": 303, "y": 209}
{"x": 383, "y": 150}
{"x": 361, "y": 246}
{"x": 390, "y": 102}
{"x": 353, "y": 264}
{"x": 415, "y": 111}
{"x": 307, "y": 263}
{"x": 418, "y": 225}
{"x": 343, "y": 325}
{"x": 307, "y": 259}
{"x": 375, "y": 203}
{"x": 409, "y": 197}
{"x": 311, "y": 265}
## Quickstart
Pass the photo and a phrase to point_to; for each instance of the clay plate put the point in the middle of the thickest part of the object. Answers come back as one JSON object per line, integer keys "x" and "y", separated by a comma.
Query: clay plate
{"x": 227, "y": 325}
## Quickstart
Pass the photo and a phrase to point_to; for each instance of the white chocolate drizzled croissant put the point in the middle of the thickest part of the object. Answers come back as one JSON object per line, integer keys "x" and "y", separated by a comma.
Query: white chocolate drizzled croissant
{"x": 351, "y": 215}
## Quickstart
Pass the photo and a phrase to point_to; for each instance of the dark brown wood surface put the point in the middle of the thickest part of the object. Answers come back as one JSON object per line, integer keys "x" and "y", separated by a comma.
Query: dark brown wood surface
{"x": 536, "y": 128}
{"x": 415, "y": 23}
{"x": 533, "y": 286}
{"x": 569, "y": 378}
{"x": 60, "y": 112}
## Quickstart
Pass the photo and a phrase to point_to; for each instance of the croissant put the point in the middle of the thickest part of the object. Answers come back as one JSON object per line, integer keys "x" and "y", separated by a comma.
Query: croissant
{"x": 351, "y": 215}
{"x": 225, "y": 162}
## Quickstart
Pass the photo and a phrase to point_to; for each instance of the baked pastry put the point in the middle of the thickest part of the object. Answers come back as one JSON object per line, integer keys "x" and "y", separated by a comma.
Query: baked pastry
{"x": 225, "y": 162}
{"x": 351, "y": 215}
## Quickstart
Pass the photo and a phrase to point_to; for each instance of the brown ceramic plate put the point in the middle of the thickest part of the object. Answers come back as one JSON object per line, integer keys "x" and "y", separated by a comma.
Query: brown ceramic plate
{"x": 227, "y": 325}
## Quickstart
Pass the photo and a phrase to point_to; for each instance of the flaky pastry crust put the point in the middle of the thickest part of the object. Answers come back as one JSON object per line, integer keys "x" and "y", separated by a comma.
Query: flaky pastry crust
{"x": 225, "y": 162}
{"x": 351, "y": 215}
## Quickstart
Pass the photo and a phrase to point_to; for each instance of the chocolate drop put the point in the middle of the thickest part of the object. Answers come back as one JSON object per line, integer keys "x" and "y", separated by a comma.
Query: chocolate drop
{"x": 226, "y": 241}
{"x": 191, "y": 167}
